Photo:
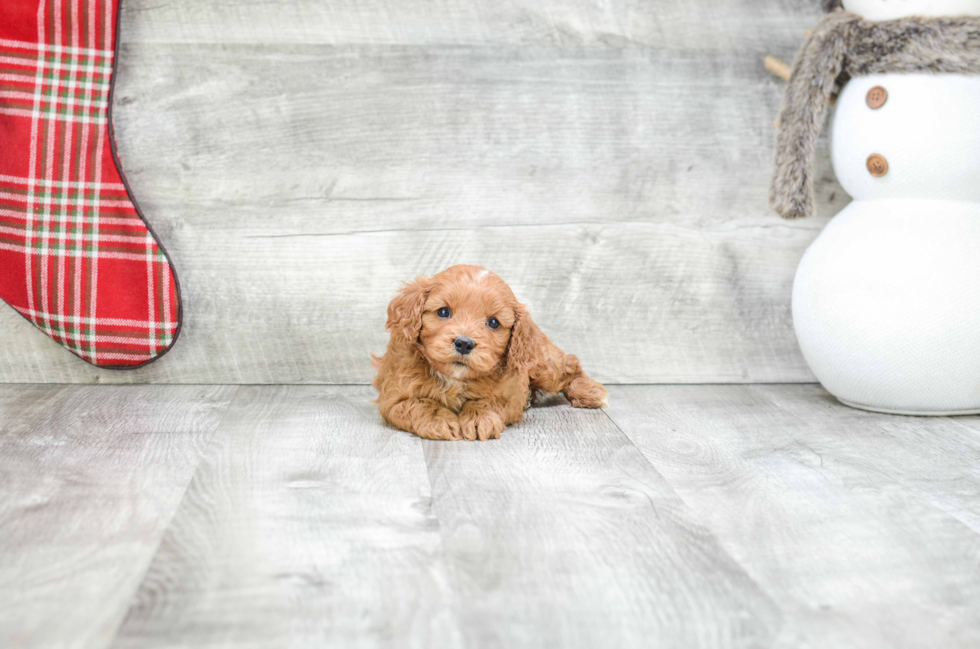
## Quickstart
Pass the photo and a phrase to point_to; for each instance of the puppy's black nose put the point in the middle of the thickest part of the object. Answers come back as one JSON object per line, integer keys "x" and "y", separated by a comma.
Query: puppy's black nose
{"x": 464, "y": 345}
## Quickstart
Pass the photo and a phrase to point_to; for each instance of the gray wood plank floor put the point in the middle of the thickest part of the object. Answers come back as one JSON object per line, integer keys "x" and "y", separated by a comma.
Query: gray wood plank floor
{"x": 89, "y": 480}
{"x": 681, "y": 516}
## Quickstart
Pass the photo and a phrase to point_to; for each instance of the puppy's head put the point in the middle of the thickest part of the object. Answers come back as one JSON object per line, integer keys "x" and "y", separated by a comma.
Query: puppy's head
{"x": 462, "y": 321}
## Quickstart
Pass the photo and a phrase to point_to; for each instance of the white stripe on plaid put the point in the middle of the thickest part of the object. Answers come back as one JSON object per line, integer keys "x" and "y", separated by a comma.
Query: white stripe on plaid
{"x": 85, "y": 103}
{"x": 49, "y": 163}
{"x": 135, "y": 342}
{"x": 68, "y": 200}
{"x": 83, "y": 238}
{"x": 98, "y": 186}
{"x": 70, "y": 184}
{"x": 78, "y": 219}
{"x": 150, "y": 268}
{"x": 59, "y": 84}
{"x": 111, "y": 322}
{"x": 112, "y": 356}
{"x": 57, "y": 49}
{"x": 81, "y": 85}
{"x": 166, "y": 289}
{"x": 90, "y": 254}
{"x": 80, "y": 119}
{"x": 98, "y": 180}
{"x": 82, "y": 174}
{"x": 38, "y": 86}
{"x": 103, "y": 69}
{"x": 71, "y": 337}
{"x": 66, "y": 160}
{"x": 83, "y": 170}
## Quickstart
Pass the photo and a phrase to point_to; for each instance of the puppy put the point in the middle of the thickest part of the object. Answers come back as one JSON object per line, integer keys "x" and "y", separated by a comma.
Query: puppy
{"x": 465, "y": 359}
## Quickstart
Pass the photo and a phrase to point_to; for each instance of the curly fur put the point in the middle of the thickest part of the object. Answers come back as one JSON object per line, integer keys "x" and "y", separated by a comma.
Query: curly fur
{"x": 426, "y": 387}
{"x": 844, "y": 45}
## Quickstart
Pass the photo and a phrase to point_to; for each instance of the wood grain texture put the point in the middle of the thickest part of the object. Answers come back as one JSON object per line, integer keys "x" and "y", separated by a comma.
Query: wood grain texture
{"x": 309, "y": 523}
{"x": 674, "y": 24}
{"x": 611, "y": 160}
{"x": 90, "y": 479}
{"x": 563, "y": 535}
{"x": 937, "y": 460}
{"x": 688, "y": 516}
{"x": 862, "y": 527}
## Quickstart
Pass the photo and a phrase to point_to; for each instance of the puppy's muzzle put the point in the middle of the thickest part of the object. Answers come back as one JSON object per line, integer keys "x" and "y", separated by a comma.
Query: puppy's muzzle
{"x": 464, "y": 345}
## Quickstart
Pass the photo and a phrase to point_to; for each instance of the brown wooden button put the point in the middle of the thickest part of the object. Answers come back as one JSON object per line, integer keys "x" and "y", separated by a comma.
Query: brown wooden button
{"x": 877, "y": 97}
{"x": 877, "y": 165}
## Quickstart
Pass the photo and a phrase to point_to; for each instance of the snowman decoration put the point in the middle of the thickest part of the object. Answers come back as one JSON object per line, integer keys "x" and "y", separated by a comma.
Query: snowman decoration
{"x": 886, "y": 301}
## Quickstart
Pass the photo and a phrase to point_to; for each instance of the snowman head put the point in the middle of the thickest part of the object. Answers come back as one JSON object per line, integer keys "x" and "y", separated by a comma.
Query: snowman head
{"x": 891, "y": 9}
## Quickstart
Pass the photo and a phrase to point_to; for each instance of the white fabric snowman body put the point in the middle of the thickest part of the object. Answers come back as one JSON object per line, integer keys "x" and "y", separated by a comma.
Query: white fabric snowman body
{"x": 886, "y": 301}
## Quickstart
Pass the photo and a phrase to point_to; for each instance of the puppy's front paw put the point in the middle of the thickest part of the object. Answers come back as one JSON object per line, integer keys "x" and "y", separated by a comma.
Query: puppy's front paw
{"x": 444, "y": 424}
{"x": 583, "y": 392}
{"x": 481, "y": 425}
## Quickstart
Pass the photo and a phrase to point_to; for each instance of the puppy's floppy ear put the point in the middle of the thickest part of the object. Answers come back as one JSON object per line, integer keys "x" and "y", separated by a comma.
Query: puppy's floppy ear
{"x": 405, "y": 312}
{"x": 522, "y": 350}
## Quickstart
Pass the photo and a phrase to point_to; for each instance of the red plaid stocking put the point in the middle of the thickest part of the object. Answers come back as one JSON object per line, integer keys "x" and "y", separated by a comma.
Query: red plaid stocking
{"x": 76, "y": 257}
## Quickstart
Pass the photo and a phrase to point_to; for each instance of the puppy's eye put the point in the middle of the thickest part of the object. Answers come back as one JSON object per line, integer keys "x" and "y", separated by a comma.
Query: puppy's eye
{"x": 444, "y": 312}
{"x": 493, "y": 323}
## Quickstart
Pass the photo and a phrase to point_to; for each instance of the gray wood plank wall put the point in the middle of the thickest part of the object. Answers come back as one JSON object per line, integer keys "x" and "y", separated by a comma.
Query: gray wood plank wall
{"x": 609, "y": 158}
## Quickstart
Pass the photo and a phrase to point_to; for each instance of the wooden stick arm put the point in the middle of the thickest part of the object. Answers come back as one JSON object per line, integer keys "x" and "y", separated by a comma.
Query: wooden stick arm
{"x": 779, "y": 68}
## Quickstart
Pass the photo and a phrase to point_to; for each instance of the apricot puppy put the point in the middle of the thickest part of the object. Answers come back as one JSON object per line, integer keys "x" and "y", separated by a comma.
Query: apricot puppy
{"x": 465, "y": 359}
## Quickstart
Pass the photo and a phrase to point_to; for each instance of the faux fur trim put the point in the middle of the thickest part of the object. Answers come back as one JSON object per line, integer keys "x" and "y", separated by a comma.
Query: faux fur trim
{"x": 845, "y": 45}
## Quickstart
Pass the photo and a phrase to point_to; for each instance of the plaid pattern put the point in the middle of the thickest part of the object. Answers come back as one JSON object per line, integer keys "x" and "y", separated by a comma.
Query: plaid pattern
{"x": 76, "y": 258}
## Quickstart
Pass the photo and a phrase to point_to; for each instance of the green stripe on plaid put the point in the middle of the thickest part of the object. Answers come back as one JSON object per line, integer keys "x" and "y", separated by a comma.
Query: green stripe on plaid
{"x": 68, "y": 195}
{"x": 24, "y": 80}
{"x": 19, "y": 181}
{"x": 88, "y": 253}
{"x": 83, "y": 246}
{"x": 90, "y": 194}
{"x": 90, "y": 59}
{"x": 44, "y": 242}
{"x": 91, "y": 77}
{"x": 65, "y": 330}
{"x": 83, "y": 229}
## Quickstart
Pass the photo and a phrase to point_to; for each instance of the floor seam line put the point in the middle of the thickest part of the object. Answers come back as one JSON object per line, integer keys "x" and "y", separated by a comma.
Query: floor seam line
{"x": 697, "y": 517}
{"x": 451, "y": 573}
{"x": 173, "y": 515}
